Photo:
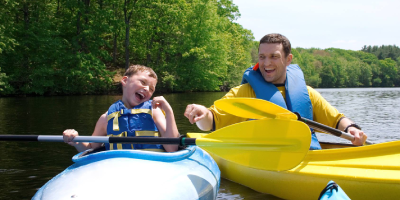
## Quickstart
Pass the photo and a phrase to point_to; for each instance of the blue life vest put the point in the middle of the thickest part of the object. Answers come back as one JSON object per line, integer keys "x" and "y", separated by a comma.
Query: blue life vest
{"x": 297, "y": 98}
{"x": 136, "y": 122}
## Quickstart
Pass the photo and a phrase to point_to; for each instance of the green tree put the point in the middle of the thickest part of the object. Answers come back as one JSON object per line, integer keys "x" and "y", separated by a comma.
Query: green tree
{"x": 52, "y": 40}
{"x": 254, "y": 52}
{"x": 389, "y": 72}
{"x": 384, "y": 51}
{"x": 309, "y": 65}
{"x": 240, "y": 42}
{"x": 5, "y": 88}
{"x": 328, "y": 78}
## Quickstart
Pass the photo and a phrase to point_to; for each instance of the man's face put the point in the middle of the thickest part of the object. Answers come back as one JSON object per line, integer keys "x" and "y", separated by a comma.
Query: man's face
{"x": 137, "y": 89}
{"x": 273, "y": 63}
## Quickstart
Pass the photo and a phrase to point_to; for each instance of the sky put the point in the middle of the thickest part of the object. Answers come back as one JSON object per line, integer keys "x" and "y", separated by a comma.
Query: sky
{"x": 344, "y": 24}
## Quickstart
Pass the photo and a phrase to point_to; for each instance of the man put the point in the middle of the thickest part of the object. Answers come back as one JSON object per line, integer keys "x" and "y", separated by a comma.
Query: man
{"x": 274, "y": 79}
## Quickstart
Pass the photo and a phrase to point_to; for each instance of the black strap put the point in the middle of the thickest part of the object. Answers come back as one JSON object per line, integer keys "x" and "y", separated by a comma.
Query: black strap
{"x": 352, "y": 125}
{"x": 330, "y": 186}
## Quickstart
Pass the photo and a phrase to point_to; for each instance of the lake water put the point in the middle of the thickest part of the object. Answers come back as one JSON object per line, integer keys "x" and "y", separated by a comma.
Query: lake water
{"x": 26, "y": 166}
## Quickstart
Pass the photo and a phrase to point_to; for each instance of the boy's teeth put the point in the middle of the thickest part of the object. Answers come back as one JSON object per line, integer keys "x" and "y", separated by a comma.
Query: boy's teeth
{"x": 141, "y": 96}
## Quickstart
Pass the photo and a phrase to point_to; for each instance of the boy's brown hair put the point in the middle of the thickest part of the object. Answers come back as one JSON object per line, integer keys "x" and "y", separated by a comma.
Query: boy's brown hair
{"x": 133, "y": 69}
{"x": 278, "y": 38}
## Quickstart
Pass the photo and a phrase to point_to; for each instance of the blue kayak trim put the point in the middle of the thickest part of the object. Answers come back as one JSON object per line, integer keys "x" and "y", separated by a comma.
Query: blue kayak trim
{"x": 145, "y": 155}
{"x": 199, "y": 157}
{"x": 211, "y": 165}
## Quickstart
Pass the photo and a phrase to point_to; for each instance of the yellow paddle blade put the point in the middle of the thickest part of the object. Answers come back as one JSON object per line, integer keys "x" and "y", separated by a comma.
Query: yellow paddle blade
{"x": 253, "y": 108}
{"x": 267, "y": 144}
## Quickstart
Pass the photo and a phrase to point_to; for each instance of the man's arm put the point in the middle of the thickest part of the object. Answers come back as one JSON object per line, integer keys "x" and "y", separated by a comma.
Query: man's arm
{"x": 214, "y": 118}
{"x": 325, "y": 113}
{"x": 349, "y": 126}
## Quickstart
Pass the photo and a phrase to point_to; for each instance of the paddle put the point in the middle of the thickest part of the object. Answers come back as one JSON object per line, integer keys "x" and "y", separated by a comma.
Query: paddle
{"x": 252, "y": 143}
{"x": 260, "y": 109}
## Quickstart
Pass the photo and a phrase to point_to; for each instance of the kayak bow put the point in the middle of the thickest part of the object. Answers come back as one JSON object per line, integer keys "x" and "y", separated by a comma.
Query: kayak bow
{"x": 133, "y": 174}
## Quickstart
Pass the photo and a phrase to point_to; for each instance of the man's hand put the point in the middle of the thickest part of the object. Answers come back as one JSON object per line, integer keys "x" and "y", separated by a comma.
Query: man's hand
{"x": 359, "y": 136}
{"x": 200, "y": 115}
{"x": 195, "y": 112}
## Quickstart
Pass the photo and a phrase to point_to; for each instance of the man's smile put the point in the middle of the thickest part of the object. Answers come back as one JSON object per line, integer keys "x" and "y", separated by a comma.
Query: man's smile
{"x": 269, "y": 71}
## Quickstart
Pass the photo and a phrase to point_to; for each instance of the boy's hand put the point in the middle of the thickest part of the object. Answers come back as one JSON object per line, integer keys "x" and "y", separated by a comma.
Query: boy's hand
{"x": 69, "y": 135}
{"x": 162, "y": 103}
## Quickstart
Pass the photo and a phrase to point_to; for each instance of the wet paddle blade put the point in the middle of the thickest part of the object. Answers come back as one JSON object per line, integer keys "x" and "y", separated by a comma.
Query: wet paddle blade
{"x": 253, "y": 108}
{"x": 268, "y": 144}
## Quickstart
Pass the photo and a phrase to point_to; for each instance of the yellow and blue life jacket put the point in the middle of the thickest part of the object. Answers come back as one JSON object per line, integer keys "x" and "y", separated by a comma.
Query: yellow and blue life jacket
{"x": 136, "y": 122}
{"x": 297, "y": 98}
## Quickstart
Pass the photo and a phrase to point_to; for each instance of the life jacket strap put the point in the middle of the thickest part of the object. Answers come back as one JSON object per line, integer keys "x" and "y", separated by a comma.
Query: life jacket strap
{"x": 147, "y": 133}
{"x": 138, "y": 134}
{"x": 119, "y": 145}
{"x": 137, "y": 111}
{"x": 114, "y": 115}
{"x": 118, "y": 114}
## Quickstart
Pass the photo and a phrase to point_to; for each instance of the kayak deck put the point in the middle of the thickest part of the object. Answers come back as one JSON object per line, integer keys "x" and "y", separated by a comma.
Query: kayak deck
{"x": 120, "y": 174}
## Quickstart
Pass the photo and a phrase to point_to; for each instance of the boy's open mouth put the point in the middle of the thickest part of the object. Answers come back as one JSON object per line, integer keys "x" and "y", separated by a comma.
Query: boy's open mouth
{"x": 139, "y": 95}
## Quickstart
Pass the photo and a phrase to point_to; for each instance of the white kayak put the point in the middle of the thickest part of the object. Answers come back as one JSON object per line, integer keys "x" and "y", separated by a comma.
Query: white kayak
{"x": 133, "y": 174}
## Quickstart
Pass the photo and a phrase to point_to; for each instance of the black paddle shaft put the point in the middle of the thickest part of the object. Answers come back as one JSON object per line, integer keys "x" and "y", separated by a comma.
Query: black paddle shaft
{"x": 183, "y": 141}
{"x": 19, "y": 138}
{"x": 327, "y": 129}
{"x": 320, "y": 127}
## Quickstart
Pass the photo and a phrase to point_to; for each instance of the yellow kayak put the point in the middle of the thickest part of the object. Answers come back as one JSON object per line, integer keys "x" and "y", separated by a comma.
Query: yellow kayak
{"x": 367, "y": 172}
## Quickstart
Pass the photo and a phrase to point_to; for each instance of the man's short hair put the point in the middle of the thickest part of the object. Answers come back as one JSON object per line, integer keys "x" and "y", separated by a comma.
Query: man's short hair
{"x": 133, "y": 69}
{"x": 277, "y": 38}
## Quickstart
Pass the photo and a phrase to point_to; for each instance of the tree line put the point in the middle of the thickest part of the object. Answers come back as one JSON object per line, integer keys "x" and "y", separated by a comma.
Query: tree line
{"x": 384, "y": 51}
{"x": 74, "y": 47}
{"x": 71, "y": 47}
{"x": 338, "y": 68}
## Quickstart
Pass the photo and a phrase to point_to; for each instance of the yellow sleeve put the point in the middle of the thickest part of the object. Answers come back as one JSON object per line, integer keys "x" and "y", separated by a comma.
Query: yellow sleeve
{"x": 221, "y": 118}
{"x": 323, "y": 111}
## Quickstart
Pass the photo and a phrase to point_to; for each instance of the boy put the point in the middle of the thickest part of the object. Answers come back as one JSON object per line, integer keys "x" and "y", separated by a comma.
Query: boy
{"x": 134, "y": 115}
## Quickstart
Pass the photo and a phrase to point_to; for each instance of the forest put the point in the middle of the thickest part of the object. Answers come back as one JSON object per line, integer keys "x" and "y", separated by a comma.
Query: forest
{"x": 58, "y": 47}
{"x": 384, "y": 51}
{"x": 338, "y": 68}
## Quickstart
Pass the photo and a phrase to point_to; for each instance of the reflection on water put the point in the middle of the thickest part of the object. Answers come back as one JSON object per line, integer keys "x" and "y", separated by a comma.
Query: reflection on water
{"x": 26, "y": 166}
